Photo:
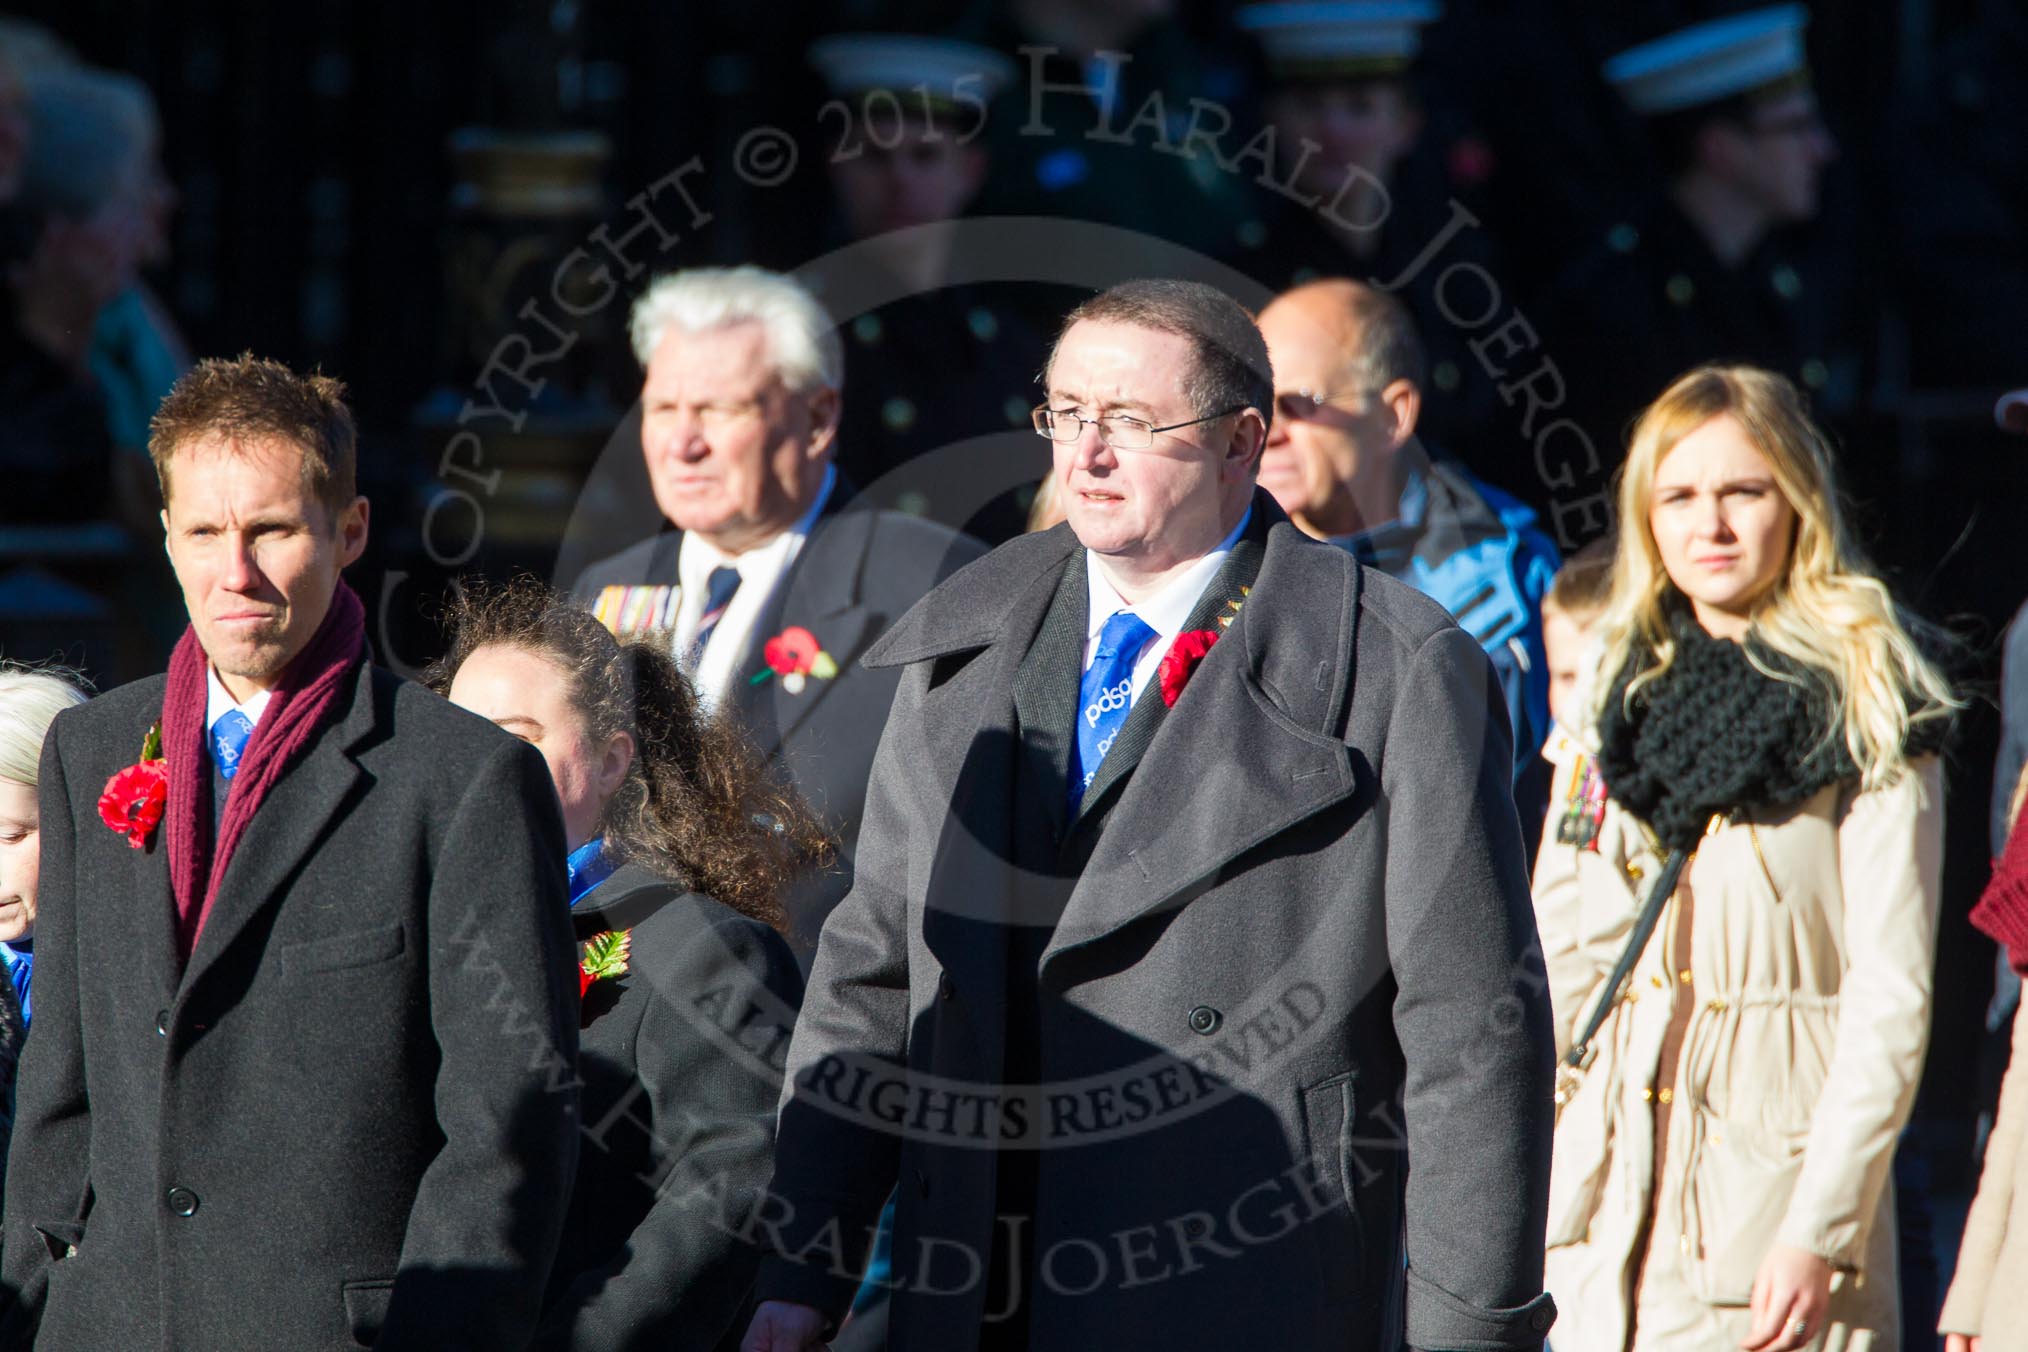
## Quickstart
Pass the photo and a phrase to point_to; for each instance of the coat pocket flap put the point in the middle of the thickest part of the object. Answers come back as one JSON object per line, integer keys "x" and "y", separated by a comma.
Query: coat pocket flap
{"x": 339, "y": 951}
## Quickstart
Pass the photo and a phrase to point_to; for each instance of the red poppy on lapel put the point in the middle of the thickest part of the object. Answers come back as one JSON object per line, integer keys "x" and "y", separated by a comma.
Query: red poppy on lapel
{"x": 134, "y": 799}
{"x": 1181, "y": 660}
{"x": 795, "y": 655}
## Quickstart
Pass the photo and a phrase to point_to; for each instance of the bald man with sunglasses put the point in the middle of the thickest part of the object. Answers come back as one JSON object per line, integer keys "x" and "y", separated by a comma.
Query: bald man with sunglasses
{"x": 1344, "y": 461}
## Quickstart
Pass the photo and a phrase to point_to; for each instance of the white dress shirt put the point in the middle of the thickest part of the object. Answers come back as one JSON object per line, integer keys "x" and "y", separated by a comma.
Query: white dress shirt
{"x": 1165, "y": 612}
{"x": 761, "y": 570}
{"x": 219, "y": 702}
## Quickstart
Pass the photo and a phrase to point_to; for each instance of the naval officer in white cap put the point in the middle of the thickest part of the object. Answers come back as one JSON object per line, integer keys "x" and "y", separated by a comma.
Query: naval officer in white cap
{"x": 1717, "y": 267}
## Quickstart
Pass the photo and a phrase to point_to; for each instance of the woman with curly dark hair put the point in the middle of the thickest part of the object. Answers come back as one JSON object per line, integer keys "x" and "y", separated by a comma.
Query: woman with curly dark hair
{"x": 680, "y": 847}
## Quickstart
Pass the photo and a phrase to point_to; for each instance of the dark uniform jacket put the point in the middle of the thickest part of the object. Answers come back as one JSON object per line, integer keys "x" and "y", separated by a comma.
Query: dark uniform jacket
{"x": 1274, "y": 984}
{"x": 855, "y": 575}
{"x": 681, "y": 1061}
{"x": 350, "y": 1116}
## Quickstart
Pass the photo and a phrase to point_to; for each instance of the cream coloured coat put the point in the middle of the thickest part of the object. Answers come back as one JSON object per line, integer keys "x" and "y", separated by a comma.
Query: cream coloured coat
{"x": 1987, "y": 1293}
{"x": 1811, "y": 951}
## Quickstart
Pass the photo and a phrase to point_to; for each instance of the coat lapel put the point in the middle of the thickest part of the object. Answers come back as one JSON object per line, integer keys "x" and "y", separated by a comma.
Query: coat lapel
{"x": 1045, "y": 692}
{"x": 1221, "y": 600}
{"x": 820, "y": 592}
{"x": 289, "y": 824}
{"x": 1250, "y": 748}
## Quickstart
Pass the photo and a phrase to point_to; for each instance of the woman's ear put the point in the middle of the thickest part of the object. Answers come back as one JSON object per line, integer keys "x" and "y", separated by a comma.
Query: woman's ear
{"x": 617, "y": 759}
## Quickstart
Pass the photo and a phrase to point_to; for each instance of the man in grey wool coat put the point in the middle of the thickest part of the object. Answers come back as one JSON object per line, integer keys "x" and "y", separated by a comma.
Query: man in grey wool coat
{"x": 1188, "y": 994}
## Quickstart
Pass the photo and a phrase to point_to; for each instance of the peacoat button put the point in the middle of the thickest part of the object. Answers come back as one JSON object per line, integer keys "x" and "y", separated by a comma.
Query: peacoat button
{"x": 1195, "y": 1228}
{"x": 183, "y": 1202}
{"x": 162, "y": 1023}
{"x": 1541, "y": 1319}
{"x": 946, "y": 988}
{"x": 1204, "y": 1019}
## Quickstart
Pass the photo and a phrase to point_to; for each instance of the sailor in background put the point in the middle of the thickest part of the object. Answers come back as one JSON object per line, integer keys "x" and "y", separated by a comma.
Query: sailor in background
{"x": 1378, "y": 194}
{"x": 1716, "y": 267}
{"x": 934, "y": 359}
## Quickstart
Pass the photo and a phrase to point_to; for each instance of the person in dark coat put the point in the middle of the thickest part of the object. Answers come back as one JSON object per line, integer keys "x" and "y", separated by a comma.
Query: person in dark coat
{"x": 771, "y": 578}
{"x": 1710, "y": 268}
{"x": 680, "y": 848}
{"x": 29, "y": 701}
{"x": 303, "y": 1021}
{"x": 1192, "y": 1000}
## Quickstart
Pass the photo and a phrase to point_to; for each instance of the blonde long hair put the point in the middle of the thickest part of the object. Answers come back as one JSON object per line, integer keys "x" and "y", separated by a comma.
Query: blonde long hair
{"x": 1828, "y": 614}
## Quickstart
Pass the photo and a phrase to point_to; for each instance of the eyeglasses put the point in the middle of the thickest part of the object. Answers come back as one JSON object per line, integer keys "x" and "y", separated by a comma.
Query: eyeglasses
{"x": 1117, "y": 430}
{"x": 1303, "y": 405}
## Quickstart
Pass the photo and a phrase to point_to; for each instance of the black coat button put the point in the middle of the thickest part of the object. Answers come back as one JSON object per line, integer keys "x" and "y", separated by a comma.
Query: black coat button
{"x": 183, "y": 1202}
{"x": 1205, "y": 1019}
{"x": 946, "y": 988}
{"x": 1195, "y": 1228}
{"x": 1542, "y": 1319}
{"x": 162, "y": 1022}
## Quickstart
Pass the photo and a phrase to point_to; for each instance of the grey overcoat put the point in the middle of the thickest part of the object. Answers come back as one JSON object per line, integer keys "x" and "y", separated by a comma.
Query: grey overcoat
{"x": 1291, "y": 1048}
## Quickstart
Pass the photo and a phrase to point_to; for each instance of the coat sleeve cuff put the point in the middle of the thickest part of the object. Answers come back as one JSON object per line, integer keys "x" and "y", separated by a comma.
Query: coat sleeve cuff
{"x": 1438, "y": 1321}
{"x": 785, "y": 1279}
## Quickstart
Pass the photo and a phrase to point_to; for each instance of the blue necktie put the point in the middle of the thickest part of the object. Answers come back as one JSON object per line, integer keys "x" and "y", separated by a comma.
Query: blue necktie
{"x": 1105, "y": 696}
{"x": 718, "y": 590}
{"x": 228, "y": 741}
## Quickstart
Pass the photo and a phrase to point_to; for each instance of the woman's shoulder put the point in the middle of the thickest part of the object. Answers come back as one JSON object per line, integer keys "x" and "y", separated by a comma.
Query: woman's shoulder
{"x": 669, "y": 923}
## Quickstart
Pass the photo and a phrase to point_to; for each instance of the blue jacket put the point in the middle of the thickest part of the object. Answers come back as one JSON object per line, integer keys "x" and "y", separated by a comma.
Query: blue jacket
{"x": 1477, "y": 552}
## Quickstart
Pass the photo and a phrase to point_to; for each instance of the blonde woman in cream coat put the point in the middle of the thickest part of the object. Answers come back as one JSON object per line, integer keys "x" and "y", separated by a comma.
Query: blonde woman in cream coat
{"x": 1721, "y": 1173}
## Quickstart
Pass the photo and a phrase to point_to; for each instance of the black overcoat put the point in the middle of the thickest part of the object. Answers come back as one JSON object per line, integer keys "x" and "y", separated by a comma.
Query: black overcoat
{"x": 681, "y": 1059}
{"x": 351, "y": 1114}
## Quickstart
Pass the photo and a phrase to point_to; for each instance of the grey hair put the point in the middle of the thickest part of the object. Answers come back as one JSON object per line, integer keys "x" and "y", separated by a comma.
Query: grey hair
{"x": 1231, "y": 369}
{"x": 30, "y": 700}
{"x": 87, "y": 129}
{"x": 802, "y": 342}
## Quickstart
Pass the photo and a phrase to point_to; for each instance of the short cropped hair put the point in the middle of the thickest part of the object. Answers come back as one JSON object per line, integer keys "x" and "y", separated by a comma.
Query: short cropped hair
{"x": 1584, "y": 583}
{"x": 1231, "y": 368}
{"x": 249, "y": 398}
{"x": 802, "y": 341}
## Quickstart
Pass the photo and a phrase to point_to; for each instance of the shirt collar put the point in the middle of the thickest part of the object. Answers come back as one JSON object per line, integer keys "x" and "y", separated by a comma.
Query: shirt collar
{"x": 698, "y": 556}
{"x": 588, "y": 866}
{"x": 1166, "y": 611}
{"x": 219, "y": 702}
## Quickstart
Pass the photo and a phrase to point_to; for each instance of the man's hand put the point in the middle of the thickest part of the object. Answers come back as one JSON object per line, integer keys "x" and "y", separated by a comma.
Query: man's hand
{"x": 784, "y": 1326}
{"x": 1791, "y": 1297}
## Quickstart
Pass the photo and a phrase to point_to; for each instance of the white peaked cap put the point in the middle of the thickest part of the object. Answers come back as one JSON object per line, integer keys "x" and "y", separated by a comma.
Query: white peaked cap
{"x": 1340, "y": 33}
{"x": 1712, "y": 60}
{"x": 854, "y": 63}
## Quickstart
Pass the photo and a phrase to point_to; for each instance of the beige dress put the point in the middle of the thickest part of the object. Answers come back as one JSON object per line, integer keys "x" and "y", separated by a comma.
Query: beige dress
{"x": 1813, "y": 933}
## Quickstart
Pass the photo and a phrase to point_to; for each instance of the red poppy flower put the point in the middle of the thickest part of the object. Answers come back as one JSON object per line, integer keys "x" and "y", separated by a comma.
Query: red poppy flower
{"x": 1181, "y": 660}
{"x": 133, "y": 801}
{"x": 791, "y": 652}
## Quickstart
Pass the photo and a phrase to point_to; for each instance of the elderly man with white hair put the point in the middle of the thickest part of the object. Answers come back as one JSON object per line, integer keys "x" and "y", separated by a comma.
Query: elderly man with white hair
{"x": 772, "y": 580}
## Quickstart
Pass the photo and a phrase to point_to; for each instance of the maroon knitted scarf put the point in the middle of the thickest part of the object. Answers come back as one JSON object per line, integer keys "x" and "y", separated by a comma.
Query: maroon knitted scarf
{"x": 2002, "y": 912}
{"x": 302, "y": 705}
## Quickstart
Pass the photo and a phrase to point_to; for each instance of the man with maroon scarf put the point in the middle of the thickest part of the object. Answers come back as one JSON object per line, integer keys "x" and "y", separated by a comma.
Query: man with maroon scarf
{"x": 304, "y": 1013}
